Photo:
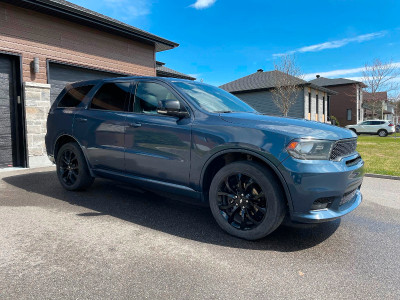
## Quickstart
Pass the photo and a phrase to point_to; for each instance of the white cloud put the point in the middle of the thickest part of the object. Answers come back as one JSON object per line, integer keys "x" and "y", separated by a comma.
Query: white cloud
{"x": 126, "y": 9}
{"x": 335, "y": 44}
{"x": 202, "y": 4}
{"x": 342, "y": 72}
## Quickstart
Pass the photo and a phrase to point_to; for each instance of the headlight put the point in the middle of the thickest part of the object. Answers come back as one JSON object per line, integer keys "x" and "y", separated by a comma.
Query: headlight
{"x": 310, "y": 149}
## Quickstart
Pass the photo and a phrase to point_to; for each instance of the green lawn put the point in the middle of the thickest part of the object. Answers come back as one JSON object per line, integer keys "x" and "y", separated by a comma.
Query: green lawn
{"x": 381, "y": 154}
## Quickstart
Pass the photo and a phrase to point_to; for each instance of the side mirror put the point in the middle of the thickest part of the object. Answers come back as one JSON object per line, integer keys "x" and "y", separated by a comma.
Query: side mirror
{"x": 171, "y": 107}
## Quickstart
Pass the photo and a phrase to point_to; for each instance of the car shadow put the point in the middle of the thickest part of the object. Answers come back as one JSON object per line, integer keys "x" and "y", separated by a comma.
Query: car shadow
{"x": 163, "y": 213}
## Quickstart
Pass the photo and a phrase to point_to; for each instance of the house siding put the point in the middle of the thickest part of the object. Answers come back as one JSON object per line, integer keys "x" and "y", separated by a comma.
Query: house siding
{"x": 322, "y": 101}
{"x": 263, "y": 103}
{"x": 33, "y": 34}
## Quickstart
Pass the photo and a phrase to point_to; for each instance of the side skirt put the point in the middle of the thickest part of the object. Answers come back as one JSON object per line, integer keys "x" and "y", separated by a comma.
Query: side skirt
{"x": 150, "y": 183}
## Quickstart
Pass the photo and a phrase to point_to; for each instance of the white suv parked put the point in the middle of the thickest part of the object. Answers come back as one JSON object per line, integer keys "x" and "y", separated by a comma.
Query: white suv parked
{"x": 379, "y": 127}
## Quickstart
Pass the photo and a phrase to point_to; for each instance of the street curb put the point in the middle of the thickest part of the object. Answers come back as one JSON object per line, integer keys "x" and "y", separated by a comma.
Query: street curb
{"x": 382, "y": 176}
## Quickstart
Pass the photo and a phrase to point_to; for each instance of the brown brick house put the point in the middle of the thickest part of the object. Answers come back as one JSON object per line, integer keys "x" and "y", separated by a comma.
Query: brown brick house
{"x": 45, "y": 44}
{"x": 347, "y": 104}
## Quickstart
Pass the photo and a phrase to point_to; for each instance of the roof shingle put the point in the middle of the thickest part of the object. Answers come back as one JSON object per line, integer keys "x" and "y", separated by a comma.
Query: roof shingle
{"x": 322, "y": 81}
{"x": 264, "y": 81}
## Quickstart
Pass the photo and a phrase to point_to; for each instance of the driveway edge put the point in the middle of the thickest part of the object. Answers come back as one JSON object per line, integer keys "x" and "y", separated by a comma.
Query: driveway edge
{"x": 382, "y": 176}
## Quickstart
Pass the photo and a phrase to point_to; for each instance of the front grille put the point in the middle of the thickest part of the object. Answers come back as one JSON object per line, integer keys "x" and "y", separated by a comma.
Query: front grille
{"x": 343, "y": 148}
{"x": 348, "y": 197}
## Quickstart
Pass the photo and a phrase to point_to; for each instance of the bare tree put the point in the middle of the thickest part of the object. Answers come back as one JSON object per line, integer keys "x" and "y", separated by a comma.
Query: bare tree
{"x": 395, "y": 102}
{"x": 287, "y": 83}
{"x": 379, "y": 77}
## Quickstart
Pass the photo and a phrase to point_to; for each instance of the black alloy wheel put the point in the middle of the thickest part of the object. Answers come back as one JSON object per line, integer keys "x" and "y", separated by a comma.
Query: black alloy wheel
{"x": 69, "y": 167}
{"x": 247, "y": 200}
{"x": 72, "y": 169}
{"x": 241, "y": 201}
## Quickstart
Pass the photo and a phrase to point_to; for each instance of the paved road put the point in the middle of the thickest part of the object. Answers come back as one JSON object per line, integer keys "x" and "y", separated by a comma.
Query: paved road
{"x": 115, "y": 241}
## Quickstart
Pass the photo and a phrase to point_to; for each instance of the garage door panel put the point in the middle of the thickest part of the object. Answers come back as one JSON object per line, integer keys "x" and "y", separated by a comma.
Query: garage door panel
{"x": 6, "y": 144}
{"x": 60, "y": 75}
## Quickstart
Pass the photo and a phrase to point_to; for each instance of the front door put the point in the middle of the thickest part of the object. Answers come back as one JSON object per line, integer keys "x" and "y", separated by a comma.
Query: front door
{"x": 157, "y": 146}
{"x": 100, "y": 128}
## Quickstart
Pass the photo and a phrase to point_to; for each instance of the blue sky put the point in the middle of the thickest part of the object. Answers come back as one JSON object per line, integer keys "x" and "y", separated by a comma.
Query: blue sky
{"x": 222, "y": 40}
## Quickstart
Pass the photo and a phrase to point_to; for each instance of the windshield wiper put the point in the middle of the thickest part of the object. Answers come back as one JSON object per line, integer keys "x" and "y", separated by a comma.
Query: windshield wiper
{"x": 224, "y": 111}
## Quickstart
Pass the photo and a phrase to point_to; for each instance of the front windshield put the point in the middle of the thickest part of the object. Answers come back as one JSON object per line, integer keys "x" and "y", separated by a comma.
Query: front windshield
{"x": 212, "y": 99}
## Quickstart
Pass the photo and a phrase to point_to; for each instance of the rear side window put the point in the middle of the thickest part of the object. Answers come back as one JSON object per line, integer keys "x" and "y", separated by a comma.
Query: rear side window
{"x": 111, "y": 96}
{"x": 74, "y": 96}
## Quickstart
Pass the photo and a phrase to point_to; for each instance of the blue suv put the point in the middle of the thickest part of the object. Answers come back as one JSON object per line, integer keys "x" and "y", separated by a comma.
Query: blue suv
{"x": 202, "y": 142}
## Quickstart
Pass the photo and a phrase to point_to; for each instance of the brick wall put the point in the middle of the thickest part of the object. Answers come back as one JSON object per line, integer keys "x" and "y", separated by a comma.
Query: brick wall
{"x": 34, "y": 34}
{"x": 344, "y": 100}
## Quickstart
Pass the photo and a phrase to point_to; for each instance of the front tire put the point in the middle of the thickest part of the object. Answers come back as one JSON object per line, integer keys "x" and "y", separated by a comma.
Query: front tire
{"x": 72, "y": 169}
{"x": 382, "y": 133}
{"x": 246, "y": 200}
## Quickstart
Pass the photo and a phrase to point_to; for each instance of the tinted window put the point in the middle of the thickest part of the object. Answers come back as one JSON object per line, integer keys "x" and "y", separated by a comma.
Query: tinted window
{"x": 366, "y": 123}
{"x": 111, "y": 96}
{"x": 75, "y": 96}
{"x": 211, "y": 98}
{"x": 147, "y": 96}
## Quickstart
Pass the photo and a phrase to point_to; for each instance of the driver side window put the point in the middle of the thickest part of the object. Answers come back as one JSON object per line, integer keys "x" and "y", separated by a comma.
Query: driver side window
{"x": 148, "y": 94}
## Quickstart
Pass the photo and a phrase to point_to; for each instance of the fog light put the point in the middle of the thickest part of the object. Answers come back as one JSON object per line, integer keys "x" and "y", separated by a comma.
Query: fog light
{"x": 322, "y": 203}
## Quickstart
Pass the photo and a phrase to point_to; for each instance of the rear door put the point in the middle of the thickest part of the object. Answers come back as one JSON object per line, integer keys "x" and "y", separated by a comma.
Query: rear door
{"x": 157, "y": 146}
{"x": 100, "y": 128}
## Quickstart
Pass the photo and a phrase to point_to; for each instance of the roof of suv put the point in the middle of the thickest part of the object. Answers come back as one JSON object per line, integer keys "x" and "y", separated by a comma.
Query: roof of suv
{"x": 96, "y": 81}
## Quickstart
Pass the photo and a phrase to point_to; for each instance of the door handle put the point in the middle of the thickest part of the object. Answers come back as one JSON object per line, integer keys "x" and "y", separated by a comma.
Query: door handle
{"x": 134, "y": 125}
{"x": 83, "y": 120}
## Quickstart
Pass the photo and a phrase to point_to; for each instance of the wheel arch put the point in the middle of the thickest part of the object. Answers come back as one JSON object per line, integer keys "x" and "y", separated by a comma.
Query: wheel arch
{"x": 65, "y": 138}
{"x": 224, "y": 157}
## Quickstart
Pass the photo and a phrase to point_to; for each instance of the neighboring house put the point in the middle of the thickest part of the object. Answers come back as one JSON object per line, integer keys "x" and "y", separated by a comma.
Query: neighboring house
{"x": 347, "y": 104}
{"x": 46, "y": 44}
{"x": 163, "y": 71}
{"x": 255, "y": 90}
{"x": 383, "y": 109}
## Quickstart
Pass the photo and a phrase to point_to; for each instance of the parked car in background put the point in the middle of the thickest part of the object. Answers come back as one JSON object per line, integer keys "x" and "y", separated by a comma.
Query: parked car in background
{"x": 398, "y": 128}
{"x": 197, "y": 140}
{"x": 379, "y": 127}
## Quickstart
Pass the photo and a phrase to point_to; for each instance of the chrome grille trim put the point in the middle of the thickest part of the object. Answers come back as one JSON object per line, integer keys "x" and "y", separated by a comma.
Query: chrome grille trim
{"x": 343, "y": 148}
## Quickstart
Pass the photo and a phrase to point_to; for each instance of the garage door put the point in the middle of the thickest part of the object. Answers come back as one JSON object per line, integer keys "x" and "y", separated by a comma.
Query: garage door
{"x": 6, "y": 96}
{"x": 60, "y": 75}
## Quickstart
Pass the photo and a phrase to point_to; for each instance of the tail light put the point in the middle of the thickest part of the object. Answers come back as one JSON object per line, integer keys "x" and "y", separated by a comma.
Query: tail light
{"x": 390, "y": 125}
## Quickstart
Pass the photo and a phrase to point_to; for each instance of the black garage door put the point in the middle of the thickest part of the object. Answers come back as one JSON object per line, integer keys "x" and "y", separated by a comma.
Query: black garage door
{"x": 6, "y": 115}
{"x": 60, "y": 75}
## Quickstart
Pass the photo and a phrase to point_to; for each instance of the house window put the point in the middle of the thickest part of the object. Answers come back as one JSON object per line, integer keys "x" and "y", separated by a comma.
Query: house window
{"x": 323, "y": 105}
{"x": 359, "y": 114}
{"x": 316, "y": 103}
{"x": 309, "y": 103}
{"x": 349, "y": 115}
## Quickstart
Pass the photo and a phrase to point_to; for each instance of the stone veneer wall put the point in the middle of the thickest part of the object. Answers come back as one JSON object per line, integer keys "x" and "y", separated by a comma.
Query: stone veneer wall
{"x": 37, "y": 106}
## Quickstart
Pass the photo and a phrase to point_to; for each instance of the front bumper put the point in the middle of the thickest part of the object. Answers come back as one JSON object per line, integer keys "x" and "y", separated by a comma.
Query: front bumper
{"x": 309, "y": 182}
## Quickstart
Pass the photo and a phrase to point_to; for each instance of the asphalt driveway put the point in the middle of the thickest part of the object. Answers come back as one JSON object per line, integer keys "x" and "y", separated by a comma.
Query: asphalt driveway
{"x": 117, "y": 241}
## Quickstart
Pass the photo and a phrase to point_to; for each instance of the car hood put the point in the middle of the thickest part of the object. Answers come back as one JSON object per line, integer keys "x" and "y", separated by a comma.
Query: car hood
{"x": 294, "y": 128}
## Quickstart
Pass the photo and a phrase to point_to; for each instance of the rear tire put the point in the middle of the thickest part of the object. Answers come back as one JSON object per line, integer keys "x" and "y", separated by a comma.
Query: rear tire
{"x": 247, "y": 200}
{"x": 72, "y": 169}
{"x": 382, "y": 133}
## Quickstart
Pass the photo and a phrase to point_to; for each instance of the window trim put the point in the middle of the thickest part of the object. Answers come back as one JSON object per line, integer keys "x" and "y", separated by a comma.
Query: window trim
{"x": 101, "y": 84}
{"x": 316, "y": 104}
